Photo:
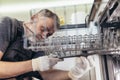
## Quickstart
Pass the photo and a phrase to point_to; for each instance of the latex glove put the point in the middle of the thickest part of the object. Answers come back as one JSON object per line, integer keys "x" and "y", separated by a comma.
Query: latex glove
{"x": 43, "y": 63}
{"x": 82, "y": 66}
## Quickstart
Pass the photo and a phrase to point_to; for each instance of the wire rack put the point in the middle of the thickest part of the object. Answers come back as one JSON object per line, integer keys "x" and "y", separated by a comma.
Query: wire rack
{"x": 81, "y": 45}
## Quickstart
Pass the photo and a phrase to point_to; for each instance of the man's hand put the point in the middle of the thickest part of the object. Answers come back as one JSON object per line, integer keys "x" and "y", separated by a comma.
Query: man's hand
{"x": 82, "y": 66}
{"x": 43, "y": 63}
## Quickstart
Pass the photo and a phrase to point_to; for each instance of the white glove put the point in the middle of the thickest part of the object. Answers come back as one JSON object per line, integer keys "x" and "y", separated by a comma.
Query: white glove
{"x": 82, "y": 66}
{"x": 43, "y": 63}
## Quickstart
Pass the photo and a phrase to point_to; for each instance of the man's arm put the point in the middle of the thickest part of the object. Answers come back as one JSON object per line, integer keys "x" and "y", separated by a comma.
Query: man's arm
{"x": 12, "y": 69}
{"x": 55, "y": 75}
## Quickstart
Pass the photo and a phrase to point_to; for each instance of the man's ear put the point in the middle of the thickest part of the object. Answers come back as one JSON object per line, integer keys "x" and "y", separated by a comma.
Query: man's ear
{"x": 34, "y": 18}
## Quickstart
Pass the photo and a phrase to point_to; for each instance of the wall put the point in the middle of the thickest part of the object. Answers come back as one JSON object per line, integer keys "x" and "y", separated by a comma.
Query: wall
{"x": 23, "y": 15}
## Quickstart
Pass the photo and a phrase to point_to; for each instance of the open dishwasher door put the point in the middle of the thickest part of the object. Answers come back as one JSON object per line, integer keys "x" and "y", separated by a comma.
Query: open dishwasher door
{"x": 108, "y": 20}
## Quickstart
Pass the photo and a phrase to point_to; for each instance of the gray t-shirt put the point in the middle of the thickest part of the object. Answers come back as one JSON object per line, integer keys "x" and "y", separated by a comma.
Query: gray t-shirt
{"x": 11, "y": 40}
{"x": 9, "y": 31}
{"x": 11, "y": 44}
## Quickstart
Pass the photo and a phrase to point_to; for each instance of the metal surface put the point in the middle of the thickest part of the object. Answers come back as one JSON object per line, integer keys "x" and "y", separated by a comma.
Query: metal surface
{"x": 110, "y": 28}
{"x": 72, "y": 46}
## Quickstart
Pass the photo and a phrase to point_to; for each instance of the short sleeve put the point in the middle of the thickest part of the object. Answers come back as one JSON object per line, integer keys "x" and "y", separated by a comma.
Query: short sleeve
{"x": 4, "y": 33}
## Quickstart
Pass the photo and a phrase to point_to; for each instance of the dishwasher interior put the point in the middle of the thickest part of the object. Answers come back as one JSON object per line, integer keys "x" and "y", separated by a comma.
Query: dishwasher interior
{"x": 110, "y": 30}
{"x": 81, "y": 35}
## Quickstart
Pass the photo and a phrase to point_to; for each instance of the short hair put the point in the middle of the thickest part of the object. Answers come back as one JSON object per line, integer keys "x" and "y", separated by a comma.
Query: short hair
{"x": 49, "y": 14}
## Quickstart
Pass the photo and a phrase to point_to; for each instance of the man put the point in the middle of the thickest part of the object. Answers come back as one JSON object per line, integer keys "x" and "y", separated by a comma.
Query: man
{"x": 17, "y": 62}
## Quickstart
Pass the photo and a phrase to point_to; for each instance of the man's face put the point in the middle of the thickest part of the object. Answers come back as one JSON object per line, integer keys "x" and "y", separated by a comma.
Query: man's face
{"x": 44, "y": 27}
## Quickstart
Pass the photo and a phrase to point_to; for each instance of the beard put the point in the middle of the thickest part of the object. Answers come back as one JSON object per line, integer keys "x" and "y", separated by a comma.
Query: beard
{"x": 36, "y": 38}
{"x": 32, "y": 39}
